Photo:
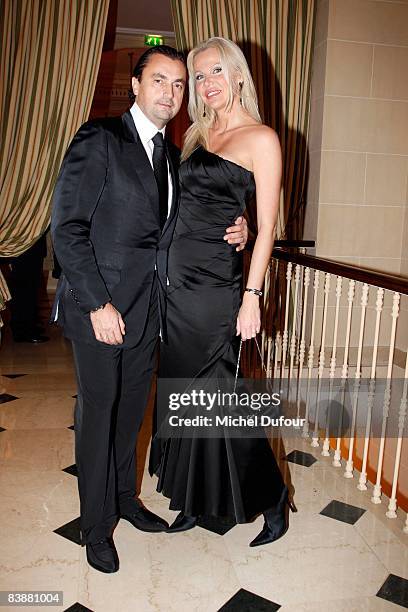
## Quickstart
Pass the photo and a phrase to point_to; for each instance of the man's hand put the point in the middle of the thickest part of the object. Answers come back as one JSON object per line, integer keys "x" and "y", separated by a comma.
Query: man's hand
{"x": 108, "y": 325}
{"x": 237, "y": 233}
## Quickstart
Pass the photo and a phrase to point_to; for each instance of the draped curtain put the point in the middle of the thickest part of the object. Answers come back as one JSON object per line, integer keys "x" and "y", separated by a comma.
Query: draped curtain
{"x": 49, "y": 58}
{"x": 276, "y": 37}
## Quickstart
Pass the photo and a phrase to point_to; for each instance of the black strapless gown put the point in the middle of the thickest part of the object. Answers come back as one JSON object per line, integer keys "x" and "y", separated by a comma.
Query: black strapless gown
{"x": 235, "y": 478}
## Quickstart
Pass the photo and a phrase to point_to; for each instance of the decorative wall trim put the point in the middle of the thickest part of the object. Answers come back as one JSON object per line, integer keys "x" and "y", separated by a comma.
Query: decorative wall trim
{"x": 143, "y": 31}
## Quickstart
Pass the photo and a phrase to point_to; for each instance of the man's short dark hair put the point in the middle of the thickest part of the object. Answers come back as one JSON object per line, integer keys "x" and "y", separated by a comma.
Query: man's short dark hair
{"x": 159, "y": 50}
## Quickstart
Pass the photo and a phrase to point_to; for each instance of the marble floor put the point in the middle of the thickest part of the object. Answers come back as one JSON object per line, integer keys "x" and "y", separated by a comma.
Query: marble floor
{"x": 340, "y": 552}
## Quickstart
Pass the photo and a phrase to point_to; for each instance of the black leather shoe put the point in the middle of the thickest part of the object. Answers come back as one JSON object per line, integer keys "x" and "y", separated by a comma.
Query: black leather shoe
{"x": 141, "y": 518}
{"x": 182, "y": 523}
{"x": 276, "y": 521}
{"x": 102, "y": 556}
{"x": 33, "y": 338}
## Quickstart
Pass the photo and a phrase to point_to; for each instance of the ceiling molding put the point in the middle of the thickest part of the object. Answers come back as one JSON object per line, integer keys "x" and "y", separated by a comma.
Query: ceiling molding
{"x": 143, "y": 31}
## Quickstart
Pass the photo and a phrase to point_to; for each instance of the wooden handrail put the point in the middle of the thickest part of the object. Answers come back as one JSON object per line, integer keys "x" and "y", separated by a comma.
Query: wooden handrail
{"x": 378, "y": 279}
{"x": 288, "y": 244}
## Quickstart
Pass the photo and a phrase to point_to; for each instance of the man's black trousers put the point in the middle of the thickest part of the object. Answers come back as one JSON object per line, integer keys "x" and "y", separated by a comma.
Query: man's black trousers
{"x": 113, "y": 389}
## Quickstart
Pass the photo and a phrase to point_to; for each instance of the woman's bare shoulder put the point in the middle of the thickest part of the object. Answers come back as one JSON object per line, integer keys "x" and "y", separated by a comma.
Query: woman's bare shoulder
{"x": 259, "y": 135}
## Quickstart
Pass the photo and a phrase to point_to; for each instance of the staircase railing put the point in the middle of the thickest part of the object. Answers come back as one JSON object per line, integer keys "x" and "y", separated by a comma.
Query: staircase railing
{"x": 333, "y": 330}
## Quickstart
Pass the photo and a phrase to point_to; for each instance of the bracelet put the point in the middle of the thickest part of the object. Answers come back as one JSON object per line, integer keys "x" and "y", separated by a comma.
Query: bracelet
{"x": 98, "y": 307}
{"x": 256, "y": 291}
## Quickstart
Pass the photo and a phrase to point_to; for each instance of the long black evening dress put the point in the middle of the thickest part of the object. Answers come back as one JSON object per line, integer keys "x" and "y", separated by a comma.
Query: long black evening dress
{"x": 235, "y": 478}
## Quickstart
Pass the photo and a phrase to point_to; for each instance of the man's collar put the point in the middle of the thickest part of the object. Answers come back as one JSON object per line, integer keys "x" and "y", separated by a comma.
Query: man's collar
{"x": 146, "y": 128}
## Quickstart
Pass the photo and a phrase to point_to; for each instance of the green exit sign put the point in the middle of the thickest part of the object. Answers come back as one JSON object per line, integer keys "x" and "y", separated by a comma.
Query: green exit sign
{"x": 152, "y": 40}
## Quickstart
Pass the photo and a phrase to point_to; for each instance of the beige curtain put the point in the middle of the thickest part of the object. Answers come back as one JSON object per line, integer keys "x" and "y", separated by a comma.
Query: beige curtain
{"x": 50, "y": 53}
{"x": 276, "y": 37}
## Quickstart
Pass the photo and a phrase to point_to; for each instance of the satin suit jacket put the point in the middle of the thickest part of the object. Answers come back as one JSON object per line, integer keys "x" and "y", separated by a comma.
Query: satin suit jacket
{"x": 106, "y": 230}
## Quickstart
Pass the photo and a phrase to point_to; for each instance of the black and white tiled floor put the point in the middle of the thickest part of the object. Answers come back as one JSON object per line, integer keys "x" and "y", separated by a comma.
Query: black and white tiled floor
{"x": 340, "y": 552}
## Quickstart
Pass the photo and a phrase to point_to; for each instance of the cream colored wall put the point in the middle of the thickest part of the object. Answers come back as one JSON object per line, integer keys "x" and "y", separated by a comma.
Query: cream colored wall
{"x": 358, "y": 188}
{"x": 403, "y": 322}
{"x": 359, "y": 132}
{"x": 316, "y": 119}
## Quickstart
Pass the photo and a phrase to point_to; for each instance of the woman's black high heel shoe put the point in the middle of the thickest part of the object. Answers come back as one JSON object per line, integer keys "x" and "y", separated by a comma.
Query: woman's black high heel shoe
{"x": 276, "y": 520}
{"x": 182, "y": 523}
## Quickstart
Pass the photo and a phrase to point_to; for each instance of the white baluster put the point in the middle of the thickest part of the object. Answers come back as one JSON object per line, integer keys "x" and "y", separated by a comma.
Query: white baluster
{"x": 310, "y": 357}
{"x": 333, "y": 358}
{"x": 285, "y": 330}
{"x": 323, "y": 337}
{"x": 326, "y": 443}
{"x": 264, "y": 344}
{"x": 294, "y": 322}
{"x": 376, "y": 497}
{"x": 362, "y": 486}
{"x": 344, "y": 370}
{"x": 320, "y": 370}
{"x": 300, "y": 309}
{"x": 364, "y": 300}
{"x": 266, "y": 307}
{"x": 268, "y": 358}
{"x": 302, "y": 344}
{"x": 392, "y": 506}
{"x": 350, "y": 299}
{"x": 277, "y": 346}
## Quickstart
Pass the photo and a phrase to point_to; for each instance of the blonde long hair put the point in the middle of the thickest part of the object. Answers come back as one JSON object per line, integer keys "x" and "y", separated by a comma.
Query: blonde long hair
{"x": 232, "y": 61}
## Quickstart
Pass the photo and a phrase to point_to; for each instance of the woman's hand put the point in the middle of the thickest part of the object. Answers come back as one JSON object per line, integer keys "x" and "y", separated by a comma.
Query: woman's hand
{"x": 249, "y": 317}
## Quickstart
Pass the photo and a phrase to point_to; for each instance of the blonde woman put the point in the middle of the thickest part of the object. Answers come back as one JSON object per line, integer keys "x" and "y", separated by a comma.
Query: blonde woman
{"x": 227, "y": 158}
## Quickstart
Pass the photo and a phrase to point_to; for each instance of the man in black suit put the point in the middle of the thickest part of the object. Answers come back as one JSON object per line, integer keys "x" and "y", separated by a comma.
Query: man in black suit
{"x": 114, "y": 211}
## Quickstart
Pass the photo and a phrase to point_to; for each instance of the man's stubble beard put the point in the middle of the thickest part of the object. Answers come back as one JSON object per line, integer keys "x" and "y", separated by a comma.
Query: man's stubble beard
{"x": 165, "y": 114}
